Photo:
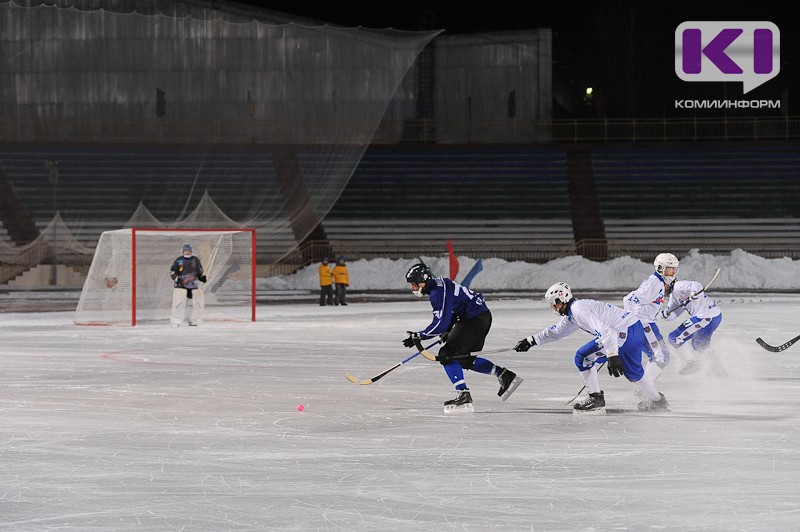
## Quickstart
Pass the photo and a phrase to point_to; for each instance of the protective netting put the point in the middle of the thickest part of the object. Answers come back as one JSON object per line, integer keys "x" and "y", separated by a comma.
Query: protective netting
{"x": 55, "y": 241}
{"x": 102, "y": 112}
{"x": 110, "y": 295}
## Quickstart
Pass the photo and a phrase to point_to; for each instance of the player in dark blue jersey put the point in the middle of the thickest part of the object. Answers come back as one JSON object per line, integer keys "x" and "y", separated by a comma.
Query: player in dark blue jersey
{"x": 463, "y": 320}
{"x": 187, "y": 272}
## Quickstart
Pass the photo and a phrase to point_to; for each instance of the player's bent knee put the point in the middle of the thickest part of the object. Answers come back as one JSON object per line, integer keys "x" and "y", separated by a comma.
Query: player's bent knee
{"x": 445, "y": 355}
{"x": 582, "y": 363}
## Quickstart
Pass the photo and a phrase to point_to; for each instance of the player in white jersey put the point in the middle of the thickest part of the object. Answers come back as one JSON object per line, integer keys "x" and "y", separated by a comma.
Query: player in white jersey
{"x": 704, "y": 318}
{"x": 619, "y": 340}
{"x": 646, "y": 302}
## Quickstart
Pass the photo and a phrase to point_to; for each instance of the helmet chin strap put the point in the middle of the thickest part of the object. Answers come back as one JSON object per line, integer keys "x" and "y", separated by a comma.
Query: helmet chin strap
{"x": 561, "y": 311}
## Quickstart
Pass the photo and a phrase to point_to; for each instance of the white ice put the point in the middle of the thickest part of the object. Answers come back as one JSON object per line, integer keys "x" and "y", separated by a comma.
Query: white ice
{"x": 155, "y": 428}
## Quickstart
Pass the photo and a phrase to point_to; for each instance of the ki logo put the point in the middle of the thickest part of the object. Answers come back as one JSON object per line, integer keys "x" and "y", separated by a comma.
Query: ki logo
{"x": 746, "y": 52}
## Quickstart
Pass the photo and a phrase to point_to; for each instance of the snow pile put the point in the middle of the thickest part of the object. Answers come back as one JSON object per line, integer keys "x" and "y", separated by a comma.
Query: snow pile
{"x": 740, "y": 271}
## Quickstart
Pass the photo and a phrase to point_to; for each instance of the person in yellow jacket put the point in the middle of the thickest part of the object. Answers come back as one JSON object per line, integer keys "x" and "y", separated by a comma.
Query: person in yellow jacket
{"x": 342, "y": 279}
{"x": 325, "y": 283}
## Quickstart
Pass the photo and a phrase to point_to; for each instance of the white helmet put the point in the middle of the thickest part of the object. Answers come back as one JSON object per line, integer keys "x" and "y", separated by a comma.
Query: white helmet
{"x": 664, "y": 261}
{"x": 558, "y": 293}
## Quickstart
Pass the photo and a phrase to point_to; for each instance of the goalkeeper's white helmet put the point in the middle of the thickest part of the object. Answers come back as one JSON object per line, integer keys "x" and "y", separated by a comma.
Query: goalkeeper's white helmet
{"x": 664, "y": 261}
{"x": 558, "y": 293}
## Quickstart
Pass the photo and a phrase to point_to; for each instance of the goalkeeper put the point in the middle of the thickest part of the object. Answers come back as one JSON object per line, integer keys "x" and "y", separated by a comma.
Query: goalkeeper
{"x": 187, "y": 273}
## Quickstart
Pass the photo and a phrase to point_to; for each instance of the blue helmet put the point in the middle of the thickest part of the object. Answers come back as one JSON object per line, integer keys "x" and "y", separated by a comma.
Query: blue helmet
{"x": 187, "y": 249}
{"x": 419, "y": 273}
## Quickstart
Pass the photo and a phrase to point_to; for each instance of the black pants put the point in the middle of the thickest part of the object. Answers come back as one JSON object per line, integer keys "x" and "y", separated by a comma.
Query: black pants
{"x": 466, "y": 337}
{"x": 326, "y": 295}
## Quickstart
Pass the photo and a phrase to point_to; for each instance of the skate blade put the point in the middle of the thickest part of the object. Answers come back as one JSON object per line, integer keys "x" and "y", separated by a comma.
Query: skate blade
{"x": 467, "y": 408}
{"x": 513, "y": 386}
{"x": 596, "y": 412}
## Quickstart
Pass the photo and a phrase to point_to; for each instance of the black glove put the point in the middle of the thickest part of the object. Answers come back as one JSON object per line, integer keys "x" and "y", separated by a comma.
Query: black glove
{"x": 443, "y": 336}
{"x": 615, "y": 368}
{"x": 203, "y": 279}
{"x": 410, "y": 341}
{"x": 524, "y": 344}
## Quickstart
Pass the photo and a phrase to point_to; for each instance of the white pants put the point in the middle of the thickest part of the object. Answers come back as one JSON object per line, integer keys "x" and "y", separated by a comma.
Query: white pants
{"x": 179, "y": 297}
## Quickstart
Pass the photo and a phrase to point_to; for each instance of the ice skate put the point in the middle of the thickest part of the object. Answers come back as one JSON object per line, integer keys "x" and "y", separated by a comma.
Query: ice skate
{"x": 594, "y": 404}
{"x": 462, "y": 403}
{"x": 691, "y": 366}
{"x": 654, "y": 406}
{"x": 508, "y": 383}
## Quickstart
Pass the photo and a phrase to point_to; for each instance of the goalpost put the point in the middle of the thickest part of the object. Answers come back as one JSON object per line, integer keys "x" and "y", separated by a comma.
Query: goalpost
{"x": 129, "y": 279}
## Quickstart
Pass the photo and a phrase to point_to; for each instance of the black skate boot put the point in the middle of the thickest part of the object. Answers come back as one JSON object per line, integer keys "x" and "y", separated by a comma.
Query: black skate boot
{"x": 508, "y": 383}
{"x": 462, "y": 403}
{"x": 594, "y": 404}
{"x": 654, "y": 406}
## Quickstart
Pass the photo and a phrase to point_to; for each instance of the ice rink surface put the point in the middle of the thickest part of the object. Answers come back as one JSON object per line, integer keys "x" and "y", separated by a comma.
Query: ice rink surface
{"x": 155, "y": 428}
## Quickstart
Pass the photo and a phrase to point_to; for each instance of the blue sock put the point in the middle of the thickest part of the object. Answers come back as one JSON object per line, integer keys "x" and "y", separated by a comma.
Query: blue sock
{"x": 456, "y": 374}
{"x": 482, "y": 365}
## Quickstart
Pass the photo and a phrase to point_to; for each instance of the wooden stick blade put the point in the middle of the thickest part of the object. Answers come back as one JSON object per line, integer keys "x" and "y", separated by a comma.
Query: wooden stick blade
{"x": 424, "y": 352}
{"x": 356, "y": 380}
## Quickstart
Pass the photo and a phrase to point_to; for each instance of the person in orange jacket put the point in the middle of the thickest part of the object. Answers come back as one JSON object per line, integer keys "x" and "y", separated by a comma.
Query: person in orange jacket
{"x": 342, "y": 279}
{"x": 325, "y": 283}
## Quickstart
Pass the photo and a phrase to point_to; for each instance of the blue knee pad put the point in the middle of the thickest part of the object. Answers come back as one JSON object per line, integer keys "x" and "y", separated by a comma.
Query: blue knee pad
{"x": 586, "y": 350}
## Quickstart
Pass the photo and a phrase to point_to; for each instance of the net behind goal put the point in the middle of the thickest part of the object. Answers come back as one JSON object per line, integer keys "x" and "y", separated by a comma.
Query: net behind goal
{"x": 129, "y": 279}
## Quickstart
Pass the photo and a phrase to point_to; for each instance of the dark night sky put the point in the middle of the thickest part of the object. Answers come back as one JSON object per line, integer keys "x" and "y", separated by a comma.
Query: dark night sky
{"x": 622, "y": 48}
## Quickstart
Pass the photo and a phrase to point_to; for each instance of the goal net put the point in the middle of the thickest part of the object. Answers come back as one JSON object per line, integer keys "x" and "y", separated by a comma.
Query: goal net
{"x": 129, "y": 279}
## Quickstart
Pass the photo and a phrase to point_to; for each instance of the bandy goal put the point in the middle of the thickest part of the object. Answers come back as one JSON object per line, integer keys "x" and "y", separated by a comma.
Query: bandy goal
{"x": 129, "y": 279}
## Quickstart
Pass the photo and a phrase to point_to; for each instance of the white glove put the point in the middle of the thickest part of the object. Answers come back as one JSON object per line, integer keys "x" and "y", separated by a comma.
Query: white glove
{"x": 693, "y": 294}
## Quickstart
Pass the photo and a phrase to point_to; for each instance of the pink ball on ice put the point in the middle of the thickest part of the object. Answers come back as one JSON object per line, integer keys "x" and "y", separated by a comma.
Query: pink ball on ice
{"x": 300, "y": 408}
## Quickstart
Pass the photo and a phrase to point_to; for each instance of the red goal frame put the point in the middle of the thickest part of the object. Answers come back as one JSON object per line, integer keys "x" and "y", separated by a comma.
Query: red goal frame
{"x": 252, "y": 232}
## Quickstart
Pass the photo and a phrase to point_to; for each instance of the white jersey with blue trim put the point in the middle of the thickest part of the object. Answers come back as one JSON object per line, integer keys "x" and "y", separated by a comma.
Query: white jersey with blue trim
{"x": 702, "y": 307}
{"x": 646, "y": 301}
{"x": 607, "y": 323}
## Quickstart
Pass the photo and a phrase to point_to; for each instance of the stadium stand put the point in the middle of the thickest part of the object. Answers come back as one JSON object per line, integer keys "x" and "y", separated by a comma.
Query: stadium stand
{"x": 709, "y": 197}
{"x": 122, "y": 176}
{"x": 483, "y": 183}
{"x": 510, "y": 202}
